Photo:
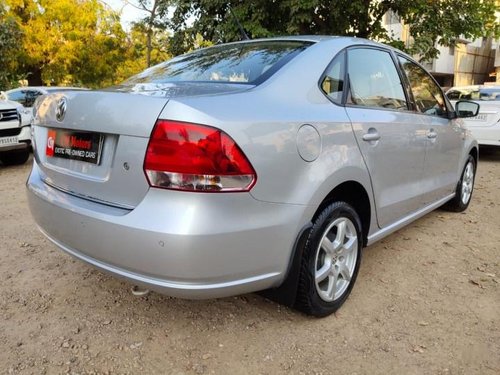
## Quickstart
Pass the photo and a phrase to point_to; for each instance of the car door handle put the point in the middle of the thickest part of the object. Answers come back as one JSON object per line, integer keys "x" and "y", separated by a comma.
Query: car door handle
{"x": 371, "y": 136}
{"x": 431, "y": 134}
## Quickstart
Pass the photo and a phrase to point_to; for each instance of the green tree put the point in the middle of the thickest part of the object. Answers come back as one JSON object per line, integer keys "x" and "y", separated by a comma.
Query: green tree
{"x": 68, "y": 41}
{"x": 10, "y": 46}
{"x": 152, "y": 24}
{"x": 430, "y": 22}
{"x": 135, "y": 56}
{"x": 443, "y": 22}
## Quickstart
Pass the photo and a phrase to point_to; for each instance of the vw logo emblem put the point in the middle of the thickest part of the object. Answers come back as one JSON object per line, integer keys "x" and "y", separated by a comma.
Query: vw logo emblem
{"x": 61, "y": 109}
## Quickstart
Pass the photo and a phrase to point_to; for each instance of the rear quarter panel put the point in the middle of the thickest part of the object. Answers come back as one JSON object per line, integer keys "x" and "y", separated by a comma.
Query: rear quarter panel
{"x": 265, "y": 121}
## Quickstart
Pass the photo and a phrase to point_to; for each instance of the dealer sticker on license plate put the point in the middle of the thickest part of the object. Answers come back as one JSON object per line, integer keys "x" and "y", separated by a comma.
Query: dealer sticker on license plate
{"x": 66, "y": 144}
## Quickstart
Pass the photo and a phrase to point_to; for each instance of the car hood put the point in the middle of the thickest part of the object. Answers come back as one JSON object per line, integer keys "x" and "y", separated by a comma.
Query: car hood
{"x": 9, "y": 104}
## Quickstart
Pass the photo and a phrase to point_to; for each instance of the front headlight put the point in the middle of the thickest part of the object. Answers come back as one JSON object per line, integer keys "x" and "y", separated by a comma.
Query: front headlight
{"x": 24, "y": 113}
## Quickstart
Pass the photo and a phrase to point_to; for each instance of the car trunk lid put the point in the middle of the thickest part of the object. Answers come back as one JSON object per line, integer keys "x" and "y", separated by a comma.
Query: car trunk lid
{"x": 92, "y": 144}
{"x": 113, "y": 126}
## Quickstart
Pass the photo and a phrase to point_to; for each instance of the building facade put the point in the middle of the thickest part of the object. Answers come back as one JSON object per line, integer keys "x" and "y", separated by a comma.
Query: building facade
{"x": 470, "y": 62}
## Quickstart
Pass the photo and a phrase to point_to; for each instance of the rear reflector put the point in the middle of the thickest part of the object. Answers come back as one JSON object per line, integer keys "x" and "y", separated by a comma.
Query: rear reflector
{"x": 193, "y": 157}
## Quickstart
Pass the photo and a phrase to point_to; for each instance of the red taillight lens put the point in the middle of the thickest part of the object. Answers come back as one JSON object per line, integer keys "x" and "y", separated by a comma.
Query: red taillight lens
{"x": 185, "y": 156}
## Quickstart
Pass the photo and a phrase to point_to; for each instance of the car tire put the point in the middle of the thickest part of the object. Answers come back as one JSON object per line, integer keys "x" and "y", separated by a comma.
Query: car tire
{"x": 14, "y": 157}
{"x": 465, "y": 186}
{"x": 330, "y": 260}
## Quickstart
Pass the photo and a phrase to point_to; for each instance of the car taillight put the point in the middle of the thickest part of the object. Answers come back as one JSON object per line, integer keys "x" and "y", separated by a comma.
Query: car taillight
{"x": 193, "y": 157}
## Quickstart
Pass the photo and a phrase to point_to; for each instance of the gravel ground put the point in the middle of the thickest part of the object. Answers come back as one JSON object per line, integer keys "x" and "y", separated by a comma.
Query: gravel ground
{"x": 426, "y": 301}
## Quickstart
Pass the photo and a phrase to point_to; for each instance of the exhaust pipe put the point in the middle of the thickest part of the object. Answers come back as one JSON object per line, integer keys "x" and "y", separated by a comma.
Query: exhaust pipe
{"x": 139, "y": 291}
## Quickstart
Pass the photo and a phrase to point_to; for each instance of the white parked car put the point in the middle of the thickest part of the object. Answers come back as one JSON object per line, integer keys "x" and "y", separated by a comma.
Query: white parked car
{"x": 27, "y": 95}
{"x": 486, "y": 125}
{"x": 15, "y": 134}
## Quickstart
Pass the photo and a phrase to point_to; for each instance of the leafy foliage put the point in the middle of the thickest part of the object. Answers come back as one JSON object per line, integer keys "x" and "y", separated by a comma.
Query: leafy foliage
{"x": 445, "y": 21}
{"x": 431, "y": 22}
{"x": 152, "y": 24}
{"x": 10, "y": 45}
{"x": 67, "y": 41}
{"x": 81, "y": 42}
{"x": 135, "y": 57}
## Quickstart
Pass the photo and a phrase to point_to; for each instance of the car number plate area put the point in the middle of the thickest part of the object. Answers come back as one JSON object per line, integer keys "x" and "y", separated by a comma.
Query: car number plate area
{"x": 8, "y": 140}
{"x": 74, "y": 145}
{"x": 480, "y": 117}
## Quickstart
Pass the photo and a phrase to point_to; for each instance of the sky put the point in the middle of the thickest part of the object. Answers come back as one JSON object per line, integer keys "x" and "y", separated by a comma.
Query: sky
{"x": 129, "y": 14}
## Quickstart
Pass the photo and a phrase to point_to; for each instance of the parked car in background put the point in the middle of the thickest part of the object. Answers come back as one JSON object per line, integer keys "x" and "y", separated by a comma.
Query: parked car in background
{"x": 27, "y": 95}
{"x": 15, "y": 136}
{"x": 486, "y": 125}
{"x": 264, "y": 164}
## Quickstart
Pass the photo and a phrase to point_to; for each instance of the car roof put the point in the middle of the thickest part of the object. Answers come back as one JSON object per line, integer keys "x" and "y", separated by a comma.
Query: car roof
{"x": 475, "y": 87}
{"x": 333, "y": 40}
{"x": 317, "y": 39}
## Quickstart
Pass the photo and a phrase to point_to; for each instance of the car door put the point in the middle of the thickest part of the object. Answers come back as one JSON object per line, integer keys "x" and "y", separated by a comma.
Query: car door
{"x": 443, "y": 136}
{"x": 391, "y": 139}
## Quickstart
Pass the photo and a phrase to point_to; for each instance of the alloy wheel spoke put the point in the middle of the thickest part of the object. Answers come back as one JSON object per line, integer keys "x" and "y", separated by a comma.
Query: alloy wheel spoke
{"x": 344, "y": 272}
{"x": 349, "y": 245}
{"x": 327, "y": 245}
{"x": 332, "y": 285}
{"x": 340, "y": 237}
{"x": 323, "y": 272}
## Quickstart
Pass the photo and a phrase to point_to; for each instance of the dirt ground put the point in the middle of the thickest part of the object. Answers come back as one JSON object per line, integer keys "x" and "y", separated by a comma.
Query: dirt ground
{"x": 427, "y": 301}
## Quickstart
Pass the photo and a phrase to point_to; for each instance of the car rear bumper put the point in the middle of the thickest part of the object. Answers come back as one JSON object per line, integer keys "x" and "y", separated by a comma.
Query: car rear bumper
{"x": 487, "y": 136}
{"x": 189, "y": 245}
{"x": 15, "y": 147}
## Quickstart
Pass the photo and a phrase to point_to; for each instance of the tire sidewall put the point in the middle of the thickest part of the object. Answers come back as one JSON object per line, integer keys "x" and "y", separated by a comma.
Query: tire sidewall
{"x": 329, "y": 214}
{"x": 463, "y": 206}
{"x": 11, "y": 158}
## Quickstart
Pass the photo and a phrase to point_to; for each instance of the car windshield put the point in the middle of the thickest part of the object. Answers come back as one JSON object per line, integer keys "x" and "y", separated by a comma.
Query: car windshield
{"x": 490, "y": 93}
{"x": 238, "y": 63}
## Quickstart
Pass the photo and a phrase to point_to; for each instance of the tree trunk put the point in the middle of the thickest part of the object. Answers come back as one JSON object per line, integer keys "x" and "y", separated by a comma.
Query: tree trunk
{"x": 149, "y": 32}
{"x": 148, "y": 47}
{"x": 35, "y": 76}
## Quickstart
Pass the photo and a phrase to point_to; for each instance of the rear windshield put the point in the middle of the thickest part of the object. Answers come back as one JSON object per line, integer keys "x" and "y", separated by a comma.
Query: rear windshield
{"x": 250, "y": 62}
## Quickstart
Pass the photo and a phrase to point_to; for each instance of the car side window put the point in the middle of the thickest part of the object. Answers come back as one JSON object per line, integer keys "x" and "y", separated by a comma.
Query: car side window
{"x": 453, "y": 95}
{"x": 333, "y": 83}
{"x": 427, "y": 94}
{"x": 374, "y": 80}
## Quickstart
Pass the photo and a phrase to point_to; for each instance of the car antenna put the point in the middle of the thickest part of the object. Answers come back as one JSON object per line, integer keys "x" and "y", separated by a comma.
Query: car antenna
{"x": 243, "y": 34}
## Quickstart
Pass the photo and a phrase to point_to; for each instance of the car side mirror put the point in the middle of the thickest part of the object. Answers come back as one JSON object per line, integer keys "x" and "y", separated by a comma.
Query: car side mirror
{"x": 465, "y": 108}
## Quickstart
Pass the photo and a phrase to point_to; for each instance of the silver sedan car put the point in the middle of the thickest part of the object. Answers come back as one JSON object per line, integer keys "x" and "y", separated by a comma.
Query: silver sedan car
{"x": 250, "y": 166}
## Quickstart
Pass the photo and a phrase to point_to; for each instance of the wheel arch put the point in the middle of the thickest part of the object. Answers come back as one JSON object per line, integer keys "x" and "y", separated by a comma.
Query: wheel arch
{"x": 353, "y": 193}
{"x": 474, "y": 152}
